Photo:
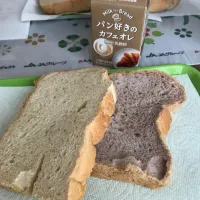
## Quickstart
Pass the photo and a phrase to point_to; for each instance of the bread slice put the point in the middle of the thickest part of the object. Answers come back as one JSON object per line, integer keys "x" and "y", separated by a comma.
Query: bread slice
{"x": 133, "y": 149}
{"x": 65, "y": 6}
{"x": 159, "y": 6}
{"x": 49, "y": 152}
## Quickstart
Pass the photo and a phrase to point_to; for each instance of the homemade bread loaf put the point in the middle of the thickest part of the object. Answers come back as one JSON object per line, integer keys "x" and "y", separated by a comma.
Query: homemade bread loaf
{"x": 132, "y": 149}
{"x": 76, "y": 6}
{"x": 65, "y": 6}
{"x": 162, "y": 5}
{"x": 48, "y": 152}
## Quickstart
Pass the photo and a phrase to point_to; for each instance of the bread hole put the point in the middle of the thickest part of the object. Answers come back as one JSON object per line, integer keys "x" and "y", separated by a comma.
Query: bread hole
{"x": 173, "y": 85}
{"x": 50, "y": 188}
{"x": 136, "y": 114}
{"x": 157, "y": 167}
{"x": 11, "y": 161}
{"x": 57, "y": 169}
{"x": 54, "y": 97}
{"x": 137, "y": 135}
{"x": 82, "y": 106}
{"x": 59, "y": 194}
{"x": 121, "y": 129}
{"x": 163, "y": 94}
{"x": 150, "y": 150}
{"x": 162, "y": 76}
{"x": 139, "y": 146}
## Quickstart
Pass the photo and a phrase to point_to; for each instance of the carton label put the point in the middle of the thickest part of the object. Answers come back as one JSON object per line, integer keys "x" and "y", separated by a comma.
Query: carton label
{"x": 117, "y": 30}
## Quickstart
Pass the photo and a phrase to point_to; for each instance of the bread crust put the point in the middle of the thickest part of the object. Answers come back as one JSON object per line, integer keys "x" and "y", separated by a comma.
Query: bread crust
{"x": 93, "y": 134}
{"x": 162, "y": 5}
{"x": 95, "y": 131}
{"x": 66, "y": 6}
{"x": 133, "y": 173}
{"x": 76, "y": 6}
{"x": 164, "y": 121}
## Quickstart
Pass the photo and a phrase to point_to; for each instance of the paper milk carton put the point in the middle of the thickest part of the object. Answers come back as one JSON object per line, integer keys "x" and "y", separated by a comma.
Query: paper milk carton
{"x": 118, "y": 30}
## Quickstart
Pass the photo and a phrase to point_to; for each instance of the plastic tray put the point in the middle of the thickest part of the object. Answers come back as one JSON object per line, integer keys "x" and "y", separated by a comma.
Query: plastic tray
{"x": 176, "y": 69}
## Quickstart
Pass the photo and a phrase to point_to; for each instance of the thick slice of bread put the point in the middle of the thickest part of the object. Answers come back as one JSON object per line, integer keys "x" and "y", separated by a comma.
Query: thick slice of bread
{"x": 65, "y": 6}
{"x": 132, "y": 149}
{"x": 158, "y": 5}
{"x": 49, "y": 152}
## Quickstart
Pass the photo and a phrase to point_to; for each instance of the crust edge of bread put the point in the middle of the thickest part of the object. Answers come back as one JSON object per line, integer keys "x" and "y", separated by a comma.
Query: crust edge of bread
{"x": 159, "y": 7}
{"x": 102, "y": 118}
{"x": 53, "y": 8}
{"x": 95, "y": 132}
{"x": 62, "y": 7}
{"x": 133, "y": 173}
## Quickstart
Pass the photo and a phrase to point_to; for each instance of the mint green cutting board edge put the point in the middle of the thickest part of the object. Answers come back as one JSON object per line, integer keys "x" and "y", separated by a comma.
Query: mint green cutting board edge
{"x": 173, "y": 69}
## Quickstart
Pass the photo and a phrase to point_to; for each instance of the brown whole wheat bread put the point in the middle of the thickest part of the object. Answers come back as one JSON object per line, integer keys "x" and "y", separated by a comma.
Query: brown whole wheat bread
{"x": 48, "y": 152}
{"x": 133, "y": 149}
{"x": 65, "y": 6}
